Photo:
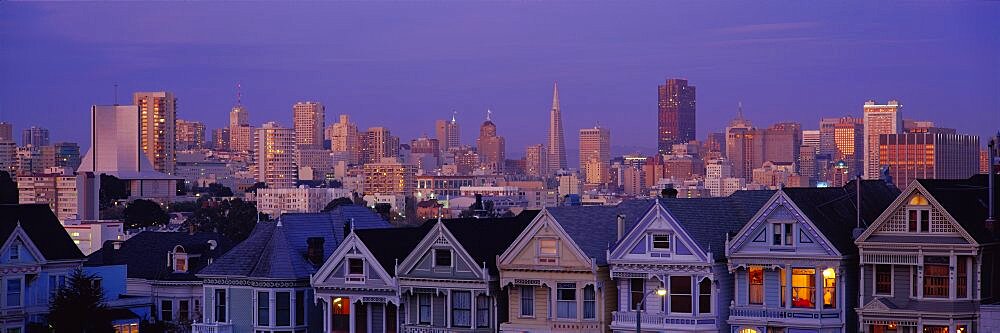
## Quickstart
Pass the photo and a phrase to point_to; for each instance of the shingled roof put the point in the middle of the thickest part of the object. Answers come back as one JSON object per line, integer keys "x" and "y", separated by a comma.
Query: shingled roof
{"x": 277, "y": 250}
{"x": 595, "y": 228}
{"x": 834, "y": 211}
{"x": 967, "y": 201}
{"x": 145, "y": 254}
{"x": 709, "y": 221}
{"x": 42, "y": 227}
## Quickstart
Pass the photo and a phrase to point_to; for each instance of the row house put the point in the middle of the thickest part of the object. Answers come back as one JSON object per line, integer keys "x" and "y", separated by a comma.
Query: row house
{"x": 262, "y": 284}
{"x": 794, "y": 262}
{"x": 678, "y": 247}
{"x": 556, "y": 274}
{"x": 36, "y": 258}
{"x": 928, "y": 263}
{"x": 438, "y": 277}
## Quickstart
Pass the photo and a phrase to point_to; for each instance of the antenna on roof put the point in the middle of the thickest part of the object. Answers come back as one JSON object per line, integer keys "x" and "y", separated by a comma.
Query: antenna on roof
{"x": 116, "y": 93}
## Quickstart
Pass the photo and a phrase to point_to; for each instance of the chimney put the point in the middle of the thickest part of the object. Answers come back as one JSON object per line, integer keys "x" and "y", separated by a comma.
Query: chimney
{"x": 621, "y": 226}
{"x": 314, "y": 250}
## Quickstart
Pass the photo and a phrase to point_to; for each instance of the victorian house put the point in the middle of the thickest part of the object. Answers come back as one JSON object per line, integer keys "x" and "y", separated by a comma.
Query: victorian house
{"x": 157, "y": 270}
{"x": 36, "y": 258}
{"x": 795, "y": 263}
{"x": 262, "y": 284}
{"x": 678, "y": 246}
{"x": 556, "y": 273}
{"x": 929, "y": 261}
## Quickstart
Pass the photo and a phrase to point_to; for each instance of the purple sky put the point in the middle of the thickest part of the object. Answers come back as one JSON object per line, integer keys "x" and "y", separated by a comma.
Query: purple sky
{"x": 404, "y": 64}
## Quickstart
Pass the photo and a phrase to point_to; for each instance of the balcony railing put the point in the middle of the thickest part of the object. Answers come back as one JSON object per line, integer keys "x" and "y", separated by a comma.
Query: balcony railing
{"x": 661, "y": 320}
{"x": 212, "y": 328}
{"x": 425, "y": 329}
{"x": 779, "y": 313}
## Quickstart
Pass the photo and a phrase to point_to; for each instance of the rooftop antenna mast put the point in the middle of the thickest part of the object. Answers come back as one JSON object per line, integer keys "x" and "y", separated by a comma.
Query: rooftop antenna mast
{"x": 239, "y": 94}
{"x": 116, "y": 93}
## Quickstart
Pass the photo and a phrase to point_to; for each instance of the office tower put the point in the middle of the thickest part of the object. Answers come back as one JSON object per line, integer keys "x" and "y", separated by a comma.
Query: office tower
{"x": 344, "y": 138}
{"x": 389, "y": 177}
{"x": 29, "y": 160}
{"x": 984, "y": 161}
{"x": 275, "y": 150}
{"x": 116, "y": 150}
{"x": 240, "y": 134}
{"x": 309, "y": 122}
{"x": 55, "y": 187}
{"x": 221, "y": 139}
{"x": 190, "y": 134}
{"x": 62, "y": 154}
{"x": 782, "y": 142}
{"x": 35, "y": 136}
{"x": 911, "y": 156}
{"x": 448, "y": 134}
{"x": 6, "y": 131}
{"x": 676, "y": 116}
{"x": 313, "y": 164}
{"x": 826, "y": 141}
{"x": 8, "y": 156}
{"x": 536, "y": 161}
{"x": 807, "y": 161}
{"x": 715, "y": 146}
{"x": 490, "y": 146}
{"x": 744, "y": 147}
{"x": 378, "y": 143}
{"x": 157, "y": 121}
{"x": 849, "y": 140}
{"x": 425, "y": 145}
{"x": 595, "y": 154}
{"x": 715, "y": 172}
{"x": 811, "y": 138}
{"x": 879, "y": 119}
{"x": 557, "y": 144}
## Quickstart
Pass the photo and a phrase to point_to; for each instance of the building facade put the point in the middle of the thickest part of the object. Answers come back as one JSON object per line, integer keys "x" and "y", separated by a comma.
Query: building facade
{"x": 911, "y": 156}
{"x": 275, "y": 201}
{"x": 275, "y": 155}
{"x": 879, "y": 119}
{"x": 595, "y": 154}
{"x": 157, "y": 125}
{"x": 309, "y": 121}
{"x": 676, "y": 115}
{"x": 190, "y": 134}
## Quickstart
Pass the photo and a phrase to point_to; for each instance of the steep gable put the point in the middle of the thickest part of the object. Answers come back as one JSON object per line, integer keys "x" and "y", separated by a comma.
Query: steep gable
{"x": 526, "y": 250}
{"x": 336, "y": 271}
{"x": 422, "y": 261}
{"x": 657, "y": 236}
{"x": 42, "y": 228}
{"x": 781, "y": 228}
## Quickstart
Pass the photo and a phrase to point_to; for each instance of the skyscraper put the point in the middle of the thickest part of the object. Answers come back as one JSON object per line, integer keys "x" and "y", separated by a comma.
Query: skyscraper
{"x": 157, "y": 119}
{"x": 344, "y": 138}
{"x": 490, "y": 146}
{"x": 827, "y": 146}
{"x": 848, "y": 143}
{"x": 309, "y": 121}
{"x": 744, "y": 147}
{"x": 275, "y": 150}
{"x": 448, "y": 134}
{"x": 595, "y": 154}
{"x": 676, "y": 117}
{"x": 782, "y": 142}
{"x": 220, "y": 139}
{"x": 536, "y": 161}
{"x": 240, "y": 136}
{"x": 879, "y": 119}
{"x": 925, "y": 155}
{"x": 35, "y": 136}
{"x": 190, "y": 134}
{"x": 811, "y": 138}
{"x": 378, "y": 143}
{"x": 556, "y": 145}
{"x": 6, "y": 131}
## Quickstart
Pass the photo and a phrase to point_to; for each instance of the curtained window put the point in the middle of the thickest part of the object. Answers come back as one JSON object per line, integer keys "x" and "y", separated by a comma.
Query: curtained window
{"x": 566, "y": 300}
{"x": 755, "y": 279}
{"x": 589, "y": 302}
{"x": 527, "y": 301}
{"x": 803, "y": 287}
{"x": 482, "y": 311}
{"x": 461, "y": 308}
{"x": 424, "y": 303}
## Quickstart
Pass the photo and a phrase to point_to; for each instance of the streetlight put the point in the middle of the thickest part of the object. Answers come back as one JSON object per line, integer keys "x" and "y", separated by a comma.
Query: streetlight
{"x": 638, "y": 312}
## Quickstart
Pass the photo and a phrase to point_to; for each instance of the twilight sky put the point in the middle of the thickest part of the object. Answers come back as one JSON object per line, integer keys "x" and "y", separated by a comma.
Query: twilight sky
{"x": 404, "y": 64}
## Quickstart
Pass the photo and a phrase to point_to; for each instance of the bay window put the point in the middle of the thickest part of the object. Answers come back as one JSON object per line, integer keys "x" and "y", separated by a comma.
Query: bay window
{"x": 527, "y": 301}
{"x": 220, "y": 305}
{"x": 705, "y": 296}
{"x": 482, "y": 311}
{"x": 936, "y": 277}
{"x": 803, "y": 287}
{"x": 783, "y": 278}
{"x": 829, "y": 289}
{"x": 566, "y": 300}
{"x": 589, "y": 302}
{"x": 424, "y": 305}
{"x": 461, "y": 308}
{"x": 755, "y": 281}
{"x": 962, "y": 277}
{"x": 680, "y": 294}
{"x": 263, "y": 308}
{"x": 300, "y": 307}
{"x": 282, "y": 308}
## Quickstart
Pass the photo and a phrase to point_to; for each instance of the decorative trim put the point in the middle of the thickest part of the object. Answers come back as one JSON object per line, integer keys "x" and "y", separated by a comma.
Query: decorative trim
{"x": 238, "y": 282}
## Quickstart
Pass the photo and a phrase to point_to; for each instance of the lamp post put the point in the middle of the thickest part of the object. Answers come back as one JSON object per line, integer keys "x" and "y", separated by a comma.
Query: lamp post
{"x": 642, "y": 305}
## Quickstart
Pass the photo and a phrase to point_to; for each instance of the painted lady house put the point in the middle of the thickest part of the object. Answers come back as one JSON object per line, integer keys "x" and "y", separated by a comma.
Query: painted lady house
{"x": 795, "y": 262}
{"x": 929, "y": 261}
{"x": 679, "y": 247}
{"x": 556, "y": 273}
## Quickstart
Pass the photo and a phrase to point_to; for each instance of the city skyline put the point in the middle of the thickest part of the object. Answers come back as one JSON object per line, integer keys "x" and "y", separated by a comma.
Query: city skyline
{"x": 615, "y": 88}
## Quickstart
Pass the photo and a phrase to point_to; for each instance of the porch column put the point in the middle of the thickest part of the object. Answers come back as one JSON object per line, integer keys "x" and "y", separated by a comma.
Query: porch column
{"x": 352, "y": 306}
{"x": 552, "y": 301}
{"x": 447, "y": 309}
{"x": 788, "y": 286}
{"x": 818, "y": 293}
{"x": 952, "y": 273}
{"x": 472, "y": 308}
{"x": 323, "y": 306}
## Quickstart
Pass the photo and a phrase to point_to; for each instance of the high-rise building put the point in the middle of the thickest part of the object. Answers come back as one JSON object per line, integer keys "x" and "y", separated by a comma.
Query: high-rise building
{"x": 676, "y": 116}
{"x": 344, "y": 138}
{"x": 490, "y": 146}
{"x": 848, "y": 142}
{"x": 221, "y": 139}
{"x": 6, "y": 131}
{"x": 715, "y": 145}
{"x": 378, "y": 143}
{"x": 879, "y": 119}
{"x": 157, "y": 121}
{"x": 556, "y": 144}
{"x": 911, "y": 156}
{"x": 744, "y": 147}
{"x": 240, "y": 138}
{"x": 309, "y": 121}
{"x": 389, "y": 177}
{"x": 826, "y": 141}
{"x": 55, "y": 187}
{"x": 715, "y": 172}
{"x": 448, "y": 134}
{"x": 62, "y": 154}
{"x": 536, "y": 161}
{"x": 595, "y": 154}
{"x": 782, "y": 142}
{"x": 811, "y": 138}
{"x": 807, "y": 161}
{"x": 275, "y": 150}
{"x": 35, "y": 136}
{"x": 190, "y": 134}
{"x": 984, "y": 161}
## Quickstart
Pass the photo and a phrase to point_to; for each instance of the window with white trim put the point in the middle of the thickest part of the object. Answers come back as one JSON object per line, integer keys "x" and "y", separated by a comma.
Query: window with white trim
{"x": 589, "y": 302}
{"x": 282, "y": 308}
{"x": 442, "y": 257}
{"x": 918, "y": 214}
{"x": 548, "y": 250}
{"x": 660, "y": 242}
{"x": 680, "y": 294}
{"x": 15, "y": 251}
{"x": 166, "y": 310}
{"x": 482, "y": 311}
{"x": 220, "y": 305}
{"x": 263, "y": 308}
{"x": 883, "y": 279}
{"x": 781, "y": 234}
{"x": 424, "y": 308}
{"x": 566, "y": 300}
{"x": 705, "y": 296}
{"x": 461, "y": 308}
{"x": 13, "y": 292}
{"x": 527, "y": 301}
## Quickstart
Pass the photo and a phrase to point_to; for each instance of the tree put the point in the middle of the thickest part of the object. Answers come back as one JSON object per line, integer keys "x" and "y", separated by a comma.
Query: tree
{"x": 141, "y": 213}
{"x": 217, "y": 190}
{"x": 112, "y": 189}
{"x": 255, "y": 186}
{"x": 79, "y": 306}
{"x": 8, "y": 189}
{"x": 183, "y": 206}
{"x": 181, "y": 188}
{"x": 234, "y": 219}
{"x": 384, "y": 210}
{"x": 333, "y": 204}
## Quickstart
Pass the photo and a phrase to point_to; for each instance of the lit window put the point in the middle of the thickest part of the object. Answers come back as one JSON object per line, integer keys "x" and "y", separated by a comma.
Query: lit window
{"x": 803, "y": 287}
{"x": 883, "y": 279}
{"x": 755, "y": 277}
{"x": 829, "y": 289}
{"x": 936, "y": 277}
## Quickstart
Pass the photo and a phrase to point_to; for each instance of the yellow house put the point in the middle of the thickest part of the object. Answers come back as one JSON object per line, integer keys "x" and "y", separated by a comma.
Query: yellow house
{"x": 556, "y": 274}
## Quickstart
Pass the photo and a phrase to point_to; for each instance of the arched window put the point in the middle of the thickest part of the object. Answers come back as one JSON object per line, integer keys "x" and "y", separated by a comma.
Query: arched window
{"x": 180, "y": 257}
{"x": 918, "y": 214}
{"x": 918, "y": 200}
{"x": 705, "y": 296}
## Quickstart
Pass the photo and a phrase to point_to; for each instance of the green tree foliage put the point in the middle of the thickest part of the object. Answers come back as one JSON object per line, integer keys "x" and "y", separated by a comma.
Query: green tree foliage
{"x": 141, "y": 213}
{"x": 8, "y": 189}
{"x": 79, "y": 307}
{"x": 112, "y": 189}
{"x": 255, "y": 186}
{"x": 217, "y": 190}
{"x": 333, "y": 204}
{"x": 183, "y": 206}
{"x": 234, "y": 219}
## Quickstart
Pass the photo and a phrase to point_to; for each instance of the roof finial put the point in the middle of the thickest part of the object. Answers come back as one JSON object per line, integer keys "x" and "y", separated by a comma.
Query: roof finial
{"x": 453, "y": 114}
{"x": 239, "y": 94}
{"x": 739, "y": 110}
{"x": 488, "y": 114}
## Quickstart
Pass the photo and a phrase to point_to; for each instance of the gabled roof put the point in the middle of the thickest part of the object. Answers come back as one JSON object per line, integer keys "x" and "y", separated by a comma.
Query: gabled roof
{"x": 276, "y": 251}
{"x": 595, "y": 228}
{"x": 42, "y": 227}
{"x": 834, "y": 212}
{"x": 145, "y": 254}
{"x": 966, "y": 200}
{"x": 710, "y": 221}
{"x": 390, "y": 245}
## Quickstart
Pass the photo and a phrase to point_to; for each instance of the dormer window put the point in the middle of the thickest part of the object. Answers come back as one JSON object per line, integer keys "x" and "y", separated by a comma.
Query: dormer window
{"x": 355, "y": 270}
{"x": 918, "y": 214}
{"x": 781, "y": 234}
{"x": 442, "y": 258}
{"x": 660, "y": 242}
{"x": 180, "y": 263}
